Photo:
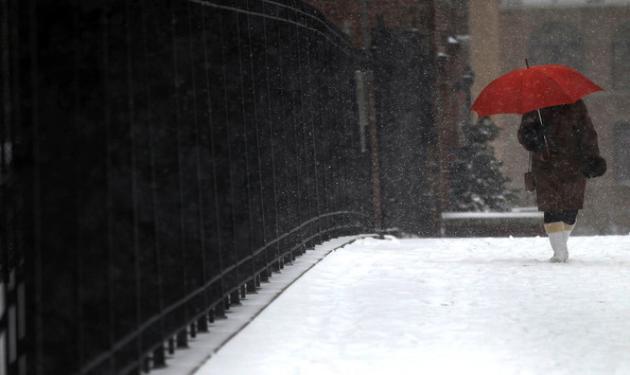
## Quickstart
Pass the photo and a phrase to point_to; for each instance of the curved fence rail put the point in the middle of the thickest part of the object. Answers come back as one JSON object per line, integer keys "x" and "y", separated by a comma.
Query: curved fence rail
{"x": 159, "y": 160}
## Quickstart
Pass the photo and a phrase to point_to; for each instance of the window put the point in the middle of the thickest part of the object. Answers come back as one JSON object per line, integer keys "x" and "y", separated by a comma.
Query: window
{"x": 556, "y": 43}
{"x": 622, "y": 153}
{"x": 621, "y": 58}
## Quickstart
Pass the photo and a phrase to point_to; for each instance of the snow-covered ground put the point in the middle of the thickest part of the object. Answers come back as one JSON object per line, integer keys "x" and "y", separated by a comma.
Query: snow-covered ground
{"x": 446, "y": 306}
{"x": 205, "y": 345}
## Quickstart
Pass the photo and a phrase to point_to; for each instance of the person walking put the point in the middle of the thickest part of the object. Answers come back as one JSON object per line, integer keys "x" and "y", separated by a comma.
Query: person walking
{"x": 564, "y": 153}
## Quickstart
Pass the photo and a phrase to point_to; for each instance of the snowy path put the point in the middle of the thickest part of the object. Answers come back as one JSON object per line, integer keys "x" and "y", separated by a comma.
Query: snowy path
{"x": 446, "y": 306}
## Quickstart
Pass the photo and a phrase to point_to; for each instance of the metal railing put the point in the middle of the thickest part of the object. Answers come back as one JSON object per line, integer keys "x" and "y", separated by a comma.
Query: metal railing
{"x": 12, "y": 216}
{"x": 166, "y": 158}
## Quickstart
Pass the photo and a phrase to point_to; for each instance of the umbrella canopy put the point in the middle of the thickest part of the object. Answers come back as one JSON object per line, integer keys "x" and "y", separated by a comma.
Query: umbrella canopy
{"x": 524, "y": 90}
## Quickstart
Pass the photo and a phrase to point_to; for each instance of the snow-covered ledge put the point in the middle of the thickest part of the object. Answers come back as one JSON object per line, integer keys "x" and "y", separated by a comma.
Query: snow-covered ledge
{"x": 519, "y": 222}
{"x": 492, "y": 215}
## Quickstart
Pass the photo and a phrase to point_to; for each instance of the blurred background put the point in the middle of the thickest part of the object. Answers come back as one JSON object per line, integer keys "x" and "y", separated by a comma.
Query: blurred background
{"x": 473, "y": 43}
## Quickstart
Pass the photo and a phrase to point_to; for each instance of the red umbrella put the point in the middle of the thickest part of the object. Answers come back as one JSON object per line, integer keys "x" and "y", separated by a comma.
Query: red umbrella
{"x": 524, "y": 90}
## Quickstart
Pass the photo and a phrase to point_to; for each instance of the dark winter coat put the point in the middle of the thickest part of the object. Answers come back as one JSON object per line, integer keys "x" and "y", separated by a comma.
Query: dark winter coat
{"x": 570, "y": 155}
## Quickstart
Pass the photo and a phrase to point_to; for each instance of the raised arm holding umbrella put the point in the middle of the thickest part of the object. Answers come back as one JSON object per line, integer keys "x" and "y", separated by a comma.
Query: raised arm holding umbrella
{"x": 557, "y": 131}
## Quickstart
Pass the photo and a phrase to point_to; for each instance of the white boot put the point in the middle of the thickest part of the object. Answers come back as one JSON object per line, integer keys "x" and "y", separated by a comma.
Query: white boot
{"x": 558, "y": 241}
{"x": 568, "y": 228}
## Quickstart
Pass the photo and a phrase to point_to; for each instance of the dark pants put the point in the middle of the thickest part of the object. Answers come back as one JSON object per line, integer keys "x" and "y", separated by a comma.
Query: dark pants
{"x": 568, "y": 217}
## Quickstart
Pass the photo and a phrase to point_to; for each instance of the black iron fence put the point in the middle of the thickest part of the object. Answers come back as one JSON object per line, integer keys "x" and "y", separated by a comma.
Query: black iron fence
{"x": 159, "y": 160}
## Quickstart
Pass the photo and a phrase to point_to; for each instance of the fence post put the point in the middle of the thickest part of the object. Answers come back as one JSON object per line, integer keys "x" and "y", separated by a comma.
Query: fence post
{"x": 182, "y": 338}
{"x": 159, "y": 358}
{"x": 202, "y": 323}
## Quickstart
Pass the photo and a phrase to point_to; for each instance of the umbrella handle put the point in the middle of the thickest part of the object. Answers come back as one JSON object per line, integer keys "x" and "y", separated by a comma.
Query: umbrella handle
{"x": 541, "y": 120}
{"x": 542, "y": 125}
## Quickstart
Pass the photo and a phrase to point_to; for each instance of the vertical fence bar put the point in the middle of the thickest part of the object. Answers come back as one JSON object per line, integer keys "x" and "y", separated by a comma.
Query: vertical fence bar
{"x": 134, "y": 178}
{"x": 219, "y": 291}
{"x": 239, "y": 214}
{"x": 111, "y": 363}
{"x": 227, "y": 171}
{"x": 269, "y": 134}
{"x": 284, "y": 125}
{"x": 295, "y": 84}
{"x": 78, "y": 197}
{"x": 304, "y": 196}
{"x": 313, "y": 87}
{"x": 249, "y": 117}
{"x": 159, "y": 358}
{"x": 183, "y": 257}
{"x": 261, "y": 238}
{"x": 194, "y": 41}
{"x": 32, "y": 188}
{"x": 18, "y": 242}
{"x": 123, "y": 186}
{"x": 5, "y": 115}
{"x": 246, "y": 122}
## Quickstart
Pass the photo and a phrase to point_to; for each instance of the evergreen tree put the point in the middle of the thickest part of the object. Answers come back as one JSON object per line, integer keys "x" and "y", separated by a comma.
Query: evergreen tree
{"x": 477, "y": 183}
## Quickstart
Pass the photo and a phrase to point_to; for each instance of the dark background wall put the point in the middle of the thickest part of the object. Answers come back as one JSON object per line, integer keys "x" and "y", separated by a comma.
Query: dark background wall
{"x": 404, "y": 72}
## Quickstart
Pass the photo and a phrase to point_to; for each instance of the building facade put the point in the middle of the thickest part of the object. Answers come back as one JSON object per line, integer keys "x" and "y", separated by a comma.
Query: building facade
{"x": 419, "y": 54}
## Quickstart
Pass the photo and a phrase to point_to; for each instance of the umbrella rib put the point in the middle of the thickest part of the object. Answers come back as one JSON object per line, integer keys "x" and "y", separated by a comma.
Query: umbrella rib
{"x": 558, "y": 85}
{"x": 521, "y": 93}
